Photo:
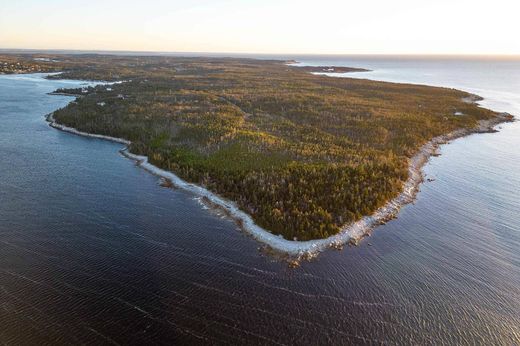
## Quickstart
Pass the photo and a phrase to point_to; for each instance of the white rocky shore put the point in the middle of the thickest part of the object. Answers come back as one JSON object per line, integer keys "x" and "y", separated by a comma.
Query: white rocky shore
{"x": 53, "y": 123}
{"x": 350, "y": 233}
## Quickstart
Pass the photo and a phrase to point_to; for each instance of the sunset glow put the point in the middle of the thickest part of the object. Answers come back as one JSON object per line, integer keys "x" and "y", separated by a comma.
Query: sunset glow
{"x": 332, "y": 26}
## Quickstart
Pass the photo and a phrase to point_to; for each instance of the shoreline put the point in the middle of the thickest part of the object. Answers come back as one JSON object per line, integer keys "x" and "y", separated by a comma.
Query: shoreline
{"x": 349, "y": 234}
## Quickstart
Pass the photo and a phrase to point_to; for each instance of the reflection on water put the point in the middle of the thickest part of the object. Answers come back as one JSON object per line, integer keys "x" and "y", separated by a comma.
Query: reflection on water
{"x": 94, "y": 250}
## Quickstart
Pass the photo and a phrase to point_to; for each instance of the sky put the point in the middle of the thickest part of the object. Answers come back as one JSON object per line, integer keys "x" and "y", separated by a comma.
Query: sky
{"x": 265, "y": 26}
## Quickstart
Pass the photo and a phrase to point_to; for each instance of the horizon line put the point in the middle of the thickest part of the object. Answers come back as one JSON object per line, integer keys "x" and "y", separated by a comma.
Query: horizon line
{"x": 144, "y": 52}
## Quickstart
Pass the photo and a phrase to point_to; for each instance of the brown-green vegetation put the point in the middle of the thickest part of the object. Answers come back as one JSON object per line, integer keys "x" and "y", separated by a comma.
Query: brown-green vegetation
{"x": 303, "y": 154}
{"x": 10, "y": 64}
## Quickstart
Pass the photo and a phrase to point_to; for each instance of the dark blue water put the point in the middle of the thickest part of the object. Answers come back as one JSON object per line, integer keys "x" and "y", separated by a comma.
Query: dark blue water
{"x": 94, "y": 251}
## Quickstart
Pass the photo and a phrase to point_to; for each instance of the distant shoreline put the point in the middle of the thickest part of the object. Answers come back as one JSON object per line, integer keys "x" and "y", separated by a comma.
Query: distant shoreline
{"x": 349, "y": 234}
{"x": 326, "y": 69}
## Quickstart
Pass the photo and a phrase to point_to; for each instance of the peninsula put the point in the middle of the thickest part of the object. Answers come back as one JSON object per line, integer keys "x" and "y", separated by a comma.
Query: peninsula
{"x": 304, "y": 155}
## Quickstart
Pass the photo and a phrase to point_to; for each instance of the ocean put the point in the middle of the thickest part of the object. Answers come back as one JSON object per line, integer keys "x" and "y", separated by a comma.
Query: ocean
{"x": 95, "y": 251}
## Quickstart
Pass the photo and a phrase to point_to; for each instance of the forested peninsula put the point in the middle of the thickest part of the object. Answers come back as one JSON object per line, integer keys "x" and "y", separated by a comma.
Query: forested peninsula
{"x": 303, "y": 154}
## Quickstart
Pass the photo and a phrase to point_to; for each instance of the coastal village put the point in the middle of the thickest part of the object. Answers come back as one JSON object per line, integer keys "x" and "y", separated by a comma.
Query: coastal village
{"x": 13, "y": 66}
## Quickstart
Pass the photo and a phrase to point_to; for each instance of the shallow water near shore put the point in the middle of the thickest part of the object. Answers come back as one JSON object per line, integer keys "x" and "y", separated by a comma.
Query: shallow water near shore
{"x": 94, "y": 250}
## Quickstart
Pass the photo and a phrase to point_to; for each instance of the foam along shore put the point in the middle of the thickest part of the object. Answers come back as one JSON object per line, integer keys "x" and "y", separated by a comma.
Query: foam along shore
{"x": 350, "y": 233}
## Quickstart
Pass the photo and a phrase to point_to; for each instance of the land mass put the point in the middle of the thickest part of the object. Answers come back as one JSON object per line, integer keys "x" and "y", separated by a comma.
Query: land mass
{"x": 302, "y": 154}
{"x": 14, "y": 64}
{"x": 330, "y": 69}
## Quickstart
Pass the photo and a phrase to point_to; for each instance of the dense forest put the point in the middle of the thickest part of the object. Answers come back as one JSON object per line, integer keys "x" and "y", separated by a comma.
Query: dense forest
{"x": 303, "y": 154}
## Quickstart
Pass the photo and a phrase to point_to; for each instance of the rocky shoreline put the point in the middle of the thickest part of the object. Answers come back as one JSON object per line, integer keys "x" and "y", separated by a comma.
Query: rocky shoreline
{"x": 362, "y": 228}
{"x": 296, "y": 250}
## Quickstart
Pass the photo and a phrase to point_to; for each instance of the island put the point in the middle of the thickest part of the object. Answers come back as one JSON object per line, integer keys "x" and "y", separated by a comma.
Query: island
{"x": 305, "y": 156}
